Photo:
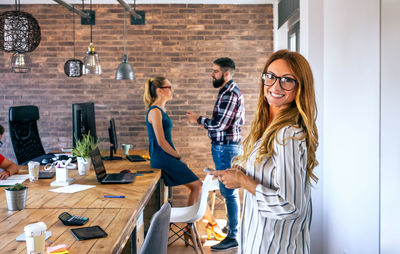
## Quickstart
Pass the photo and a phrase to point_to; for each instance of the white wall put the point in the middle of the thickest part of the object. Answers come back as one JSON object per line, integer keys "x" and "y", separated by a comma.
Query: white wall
{"x": 390, "y": 122}
{"x": 341, "y": 40}
{"x": 351, "y": 126}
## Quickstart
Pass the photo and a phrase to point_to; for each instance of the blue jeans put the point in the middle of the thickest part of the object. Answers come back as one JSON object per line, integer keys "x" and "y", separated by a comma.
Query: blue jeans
{"x": 222, "y": 156}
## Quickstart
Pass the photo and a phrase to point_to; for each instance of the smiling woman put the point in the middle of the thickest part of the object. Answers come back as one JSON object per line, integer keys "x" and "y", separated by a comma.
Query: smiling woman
{"x": 276, "y": 166}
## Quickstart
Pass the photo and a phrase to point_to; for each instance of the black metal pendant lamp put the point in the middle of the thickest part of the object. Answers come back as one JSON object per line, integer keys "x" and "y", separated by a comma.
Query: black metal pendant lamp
{"x": 73, "y": 67}
{"x": 124, "y": 70}
{"x": 19, "y": 33}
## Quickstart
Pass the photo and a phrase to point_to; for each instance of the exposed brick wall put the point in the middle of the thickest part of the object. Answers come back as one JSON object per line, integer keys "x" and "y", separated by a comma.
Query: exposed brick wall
{"x": 179, "y": 41}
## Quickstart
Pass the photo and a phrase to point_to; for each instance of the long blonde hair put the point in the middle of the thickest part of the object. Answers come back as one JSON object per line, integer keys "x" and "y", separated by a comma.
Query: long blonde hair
{"x": 150, "y": 90}
{"x": 301, "y": 113}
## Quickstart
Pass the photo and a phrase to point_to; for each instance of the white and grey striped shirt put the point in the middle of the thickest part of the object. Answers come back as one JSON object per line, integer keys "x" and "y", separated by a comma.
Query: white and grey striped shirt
{"x": 277, "y": 218}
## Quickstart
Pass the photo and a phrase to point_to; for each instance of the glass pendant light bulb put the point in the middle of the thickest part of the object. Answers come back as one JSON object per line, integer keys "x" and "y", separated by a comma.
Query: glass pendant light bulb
{"x": 20, "y": 63}
{"x": 91, "y": 62}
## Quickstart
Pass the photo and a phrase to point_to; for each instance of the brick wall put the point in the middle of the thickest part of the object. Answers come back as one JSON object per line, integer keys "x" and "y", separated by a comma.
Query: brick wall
{"x": 179, "y": 41}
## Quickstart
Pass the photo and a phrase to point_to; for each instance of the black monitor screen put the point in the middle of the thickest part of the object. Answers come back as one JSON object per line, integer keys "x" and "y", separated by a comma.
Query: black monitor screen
{"x": 113, "y": 141}
{"x": 83, "y": 120}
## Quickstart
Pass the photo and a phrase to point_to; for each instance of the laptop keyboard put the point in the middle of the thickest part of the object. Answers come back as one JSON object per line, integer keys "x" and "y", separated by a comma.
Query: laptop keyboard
{"x": 113, "y": 177}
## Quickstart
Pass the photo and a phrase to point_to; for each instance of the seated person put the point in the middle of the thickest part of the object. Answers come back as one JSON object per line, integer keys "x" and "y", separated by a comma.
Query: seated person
{"x": 7, "y": 167}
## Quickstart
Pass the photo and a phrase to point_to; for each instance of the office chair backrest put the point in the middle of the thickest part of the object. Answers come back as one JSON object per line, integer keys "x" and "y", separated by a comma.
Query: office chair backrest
{"x": 24, "y": 134}
{"x": 156, "y": 241}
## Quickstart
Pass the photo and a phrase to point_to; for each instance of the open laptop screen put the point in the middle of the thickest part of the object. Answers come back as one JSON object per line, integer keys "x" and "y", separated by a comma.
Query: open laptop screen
{"x": 98, "y": 164}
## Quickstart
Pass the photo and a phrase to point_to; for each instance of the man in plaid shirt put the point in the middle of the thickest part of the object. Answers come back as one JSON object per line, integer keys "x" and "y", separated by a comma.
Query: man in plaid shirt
{"x": 224, "y": 132}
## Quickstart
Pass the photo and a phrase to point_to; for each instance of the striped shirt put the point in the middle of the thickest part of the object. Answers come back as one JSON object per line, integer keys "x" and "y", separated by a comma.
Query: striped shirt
{"x": 228, "y": 115}
{"x": 277, "y": 218}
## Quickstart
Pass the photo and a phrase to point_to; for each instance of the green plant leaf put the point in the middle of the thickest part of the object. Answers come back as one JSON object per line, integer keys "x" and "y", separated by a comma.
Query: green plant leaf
{"x": 84, "y": 146}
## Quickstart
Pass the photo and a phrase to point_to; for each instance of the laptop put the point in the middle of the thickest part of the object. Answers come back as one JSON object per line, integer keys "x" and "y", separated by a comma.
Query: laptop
{"x": 102, "y": 175}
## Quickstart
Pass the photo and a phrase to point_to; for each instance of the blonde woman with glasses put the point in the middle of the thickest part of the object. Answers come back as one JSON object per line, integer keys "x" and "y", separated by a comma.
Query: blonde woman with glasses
{"x": 278, "y": 157}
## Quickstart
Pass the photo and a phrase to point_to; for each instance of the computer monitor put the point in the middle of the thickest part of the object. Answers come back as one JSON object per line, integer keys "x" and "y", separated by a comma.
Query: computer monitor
{"x": 83, "y": 120}
{"x": 113, "y": 142}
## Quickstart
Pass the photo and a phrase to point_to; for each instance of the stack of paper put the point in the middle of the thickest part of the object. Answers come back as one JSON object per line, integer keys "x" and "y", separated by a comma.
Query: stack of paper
{"x": 11, "y": 180}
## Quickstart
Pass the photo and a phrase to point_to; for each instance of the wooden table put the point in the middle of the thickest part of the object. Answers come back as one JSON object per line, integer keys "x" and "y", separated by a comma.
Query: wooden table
{"x": 117, "y": 216}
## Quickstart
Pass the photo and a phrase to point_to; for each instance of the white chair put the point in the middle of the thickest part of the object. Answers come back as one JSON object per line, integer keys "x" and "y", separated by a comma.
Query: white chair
{"x": 189, "y": 215}
{"x": 156, "y": 241}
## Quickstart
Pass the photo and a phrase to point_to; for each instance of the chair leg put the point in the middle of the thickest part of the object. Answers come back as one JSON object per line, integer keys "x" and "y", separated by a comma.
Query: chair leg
{"x": 194, "y": 237}
{"x": 196, "y": 232}
{"x": 213, "y": 202}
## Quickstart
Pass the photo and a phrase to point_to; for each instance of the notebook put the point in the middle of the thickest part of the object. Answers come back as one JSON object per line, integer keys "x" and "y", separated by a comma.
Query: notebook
{"x": 102, "y": 175}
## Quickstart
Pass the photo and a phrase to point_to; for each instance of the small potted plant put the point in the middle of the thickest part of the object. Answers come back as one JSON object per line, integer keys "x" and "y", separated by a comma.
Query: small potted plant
{"x": 16, "y": 197}
{"x": 82, "y": 150}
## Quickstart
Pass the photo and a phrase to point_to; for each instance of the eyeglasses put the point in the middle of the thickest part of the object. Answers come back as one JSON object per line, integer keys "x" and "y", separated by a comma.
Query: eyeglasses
{"x": 286, "y": 83}
{"x": 169, "y": 87}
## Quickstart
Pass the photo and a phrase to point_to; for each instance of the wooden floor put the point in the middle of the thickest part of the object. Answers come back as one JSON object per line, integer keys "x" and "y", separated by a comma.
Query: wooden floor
{"x": 179, "y": 246}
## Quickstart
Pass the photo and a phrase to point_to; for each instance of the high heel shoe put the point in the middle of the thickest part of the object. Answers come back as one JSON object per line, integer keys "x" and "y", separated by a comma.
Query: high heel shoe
{"x": 213, "y": 229}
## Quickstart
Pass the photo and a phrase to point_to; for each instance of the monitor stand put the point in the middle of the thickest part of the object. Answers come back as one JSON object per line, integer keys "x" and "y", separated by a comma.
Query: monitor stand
{"x": 111, "y": 157}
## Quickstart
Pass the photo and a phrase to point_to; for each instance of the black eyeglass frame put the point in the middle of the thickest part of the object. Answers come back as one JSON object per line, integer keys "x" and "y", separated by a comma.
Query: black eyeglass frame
{"x": 289, "y": 79}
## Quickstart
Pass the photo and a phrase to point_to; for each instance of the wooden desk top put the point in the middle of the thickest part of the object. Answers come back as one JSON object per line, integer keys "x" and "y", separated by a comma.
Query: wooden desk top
{"x": 117, "y": 216}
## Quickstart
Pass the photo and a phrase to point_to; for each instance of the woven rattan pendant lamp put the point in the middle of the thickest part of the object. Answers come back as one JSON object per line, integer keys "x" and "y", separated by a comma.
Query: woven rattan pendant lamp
{"x": 19, "y": 33}
{"x": 73, "y": 67}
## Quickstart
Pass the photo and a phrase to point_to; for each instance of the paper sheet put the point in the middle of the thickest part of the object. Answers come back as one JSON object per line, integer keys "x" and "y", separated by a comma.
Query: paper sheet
{"x": 11, "y": 180}
{"x": 72, "y": 188}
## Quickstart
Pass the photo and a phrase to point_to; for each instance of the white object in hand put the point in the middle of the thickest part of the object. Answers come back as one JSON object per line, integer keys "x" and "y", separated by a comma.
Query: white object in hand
{"x": 208, "y": 170}
{"x": 33, "y": 168}
{"x": 35, "y": 237}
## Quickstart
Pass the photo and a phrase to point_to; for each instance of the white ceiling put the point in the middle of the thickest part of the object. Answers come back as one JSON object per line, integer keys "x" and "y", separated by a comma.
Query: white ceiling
{"x": 138, "y": 2}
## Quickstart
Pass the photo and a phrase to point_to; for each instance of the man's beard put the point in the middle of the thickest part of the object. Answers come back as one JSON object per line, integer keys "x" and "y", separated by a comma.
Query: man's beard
{"x": 217, "y": 83}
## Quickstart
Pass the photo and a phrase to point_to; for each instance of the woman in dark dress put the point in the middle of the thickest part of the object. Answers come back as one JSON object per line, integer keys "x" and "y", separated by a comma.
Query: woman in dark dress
{"x": 161, "y": 149}
{"x": 162, "y": 152}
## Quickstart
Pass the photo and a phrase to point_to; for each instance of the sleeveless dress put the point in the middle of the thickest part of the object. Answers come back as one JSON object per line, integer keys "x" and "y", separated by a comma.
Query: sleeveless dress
{"x": 174, "y": 171}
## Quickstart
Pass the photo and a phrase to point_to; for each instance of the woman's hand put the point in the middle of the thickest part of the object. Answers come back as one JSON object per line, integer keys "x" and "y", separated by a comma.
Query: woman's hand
{"x": 236, "y": 178}
{"x": 232, "y": 178}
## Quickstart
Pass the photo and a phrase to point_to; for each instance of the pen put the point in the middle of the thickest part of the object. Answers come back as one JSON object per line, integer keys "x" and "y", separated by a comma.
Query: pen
{"x": 114, "y": 196}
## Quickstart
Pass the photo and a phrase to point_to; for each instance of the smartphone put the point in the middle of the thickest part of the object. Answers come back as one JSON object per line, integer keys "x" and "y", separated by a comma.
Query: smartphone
{"x": 86, "y": 233}
{"x": 208, "y": 170}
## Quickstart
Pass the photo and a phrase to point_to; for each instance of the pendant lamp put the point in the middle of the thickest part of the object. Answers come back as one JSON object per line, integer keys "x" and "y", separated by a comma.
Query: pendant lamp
{"x": 19, "y": 31}
{"x": 20, "y": 63}
{"x": 124, "y": 70}
{"x": 91, "y": 62}
{"x": 73, "y": 67}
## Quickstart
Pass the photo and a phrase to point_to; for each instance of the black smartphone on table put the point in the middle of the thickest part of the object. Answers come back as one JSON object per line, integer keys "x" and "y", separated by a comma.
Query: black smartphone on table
{"x": 87, "y": 233}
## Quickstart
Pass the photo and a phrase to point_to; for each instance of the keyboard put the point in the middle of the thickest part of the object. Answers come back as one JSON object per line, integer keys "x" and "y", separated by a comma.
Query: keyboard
{"x": 135, "y": 158}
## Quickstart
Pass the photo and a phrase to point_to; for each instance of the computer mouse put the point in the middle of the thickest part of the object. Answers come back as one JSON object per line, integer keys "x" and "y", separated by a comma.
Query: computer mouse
{"x": 125, "y": 171}
{"x": 46, "y": 160}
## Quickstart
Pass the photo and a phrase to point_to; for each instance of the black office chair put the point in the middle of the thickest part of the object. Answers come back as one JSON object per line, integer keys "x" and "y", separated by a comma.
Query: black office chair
{"x": 24, "y": 133}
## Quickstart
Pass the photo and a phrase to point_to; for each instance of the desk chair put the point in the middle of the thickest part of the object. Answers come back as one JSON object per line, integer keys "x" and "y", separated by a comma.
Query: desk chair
{"x": 24, "y": 134}
{"x": 156, "y": 241}
{"x": 190, "y": 215}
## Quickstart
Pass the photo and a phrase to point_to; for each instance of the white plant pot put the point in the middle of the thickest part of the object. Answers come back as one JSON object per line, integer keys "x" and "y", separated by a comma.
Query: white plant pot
{"x": 83, "y": 165}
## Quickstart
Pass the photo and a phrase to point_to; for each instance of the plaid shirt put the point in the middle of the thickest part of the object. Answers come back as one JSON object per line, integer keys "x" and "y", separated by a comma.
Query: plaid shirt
{"x": 228, "y": 115}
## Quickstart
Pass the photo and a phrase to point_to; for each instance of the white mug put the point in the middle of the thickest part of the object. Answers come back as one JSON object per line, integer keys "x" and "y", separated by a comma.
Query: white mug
{"x": 35, "y": 235}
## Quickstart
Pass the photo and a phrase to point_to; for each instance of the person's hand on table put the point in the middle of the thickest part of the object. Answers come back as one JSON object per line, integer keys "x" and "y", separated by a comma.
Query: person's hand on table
{"x": 4, "y": 175}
